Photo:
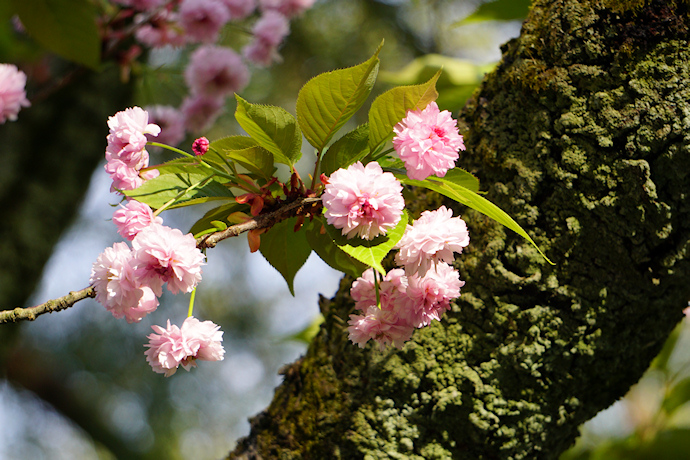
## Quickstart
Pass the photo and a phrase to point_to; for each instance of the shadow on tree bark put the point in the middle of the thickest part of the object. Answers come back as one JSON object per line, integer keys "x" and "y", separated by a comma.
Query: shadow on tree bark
{"x": 581, "y": 134}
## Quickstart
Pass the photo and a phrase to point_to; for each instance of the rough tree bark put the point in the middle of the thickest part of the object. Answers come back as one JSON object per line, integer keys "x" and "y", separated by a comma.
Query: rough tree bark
{"x": 581, "y": 134}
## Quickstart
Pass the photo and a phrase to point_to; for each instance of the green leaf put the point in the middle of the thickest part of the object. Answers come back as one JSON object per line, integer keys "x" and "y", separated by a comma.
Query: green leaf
{"x": 244, "y": 151}
{"x": 389, "y": 108}
{"x": 329, "y": 100}
{"x": 220, "y": 213}
{"x": 471, "y": 199}
{"x": 661, "y": 360}
{"x": 285, "y": 249}
{"x": 273, "y": 128}
{"x": 191, "y": 188}
{"x": 679, "y": 395}
{"x": 370, "y": 252}
{"x": 349, "y": 149}
{"x": 329, "y": 252}
{"x": 499, "y": 10}
{"x": 65, "y": 27}
{"x": 307, "y": 334}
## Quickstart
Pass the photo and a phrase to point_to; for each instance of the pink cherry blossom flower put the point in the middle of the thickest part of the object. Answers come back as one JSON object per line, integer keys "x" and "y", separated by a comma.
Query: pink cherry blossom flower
{"x": 430, "y": 295}
{"x": 117, "y": 287}
{"x": 428, "y": 142}
{"x": 123, "y": 176}
{"x": 289, "y": 8}
{"x": 200, "y": 112}
{"x": 141, "y": 5}
{"x": 383, "y": 326}
{"x": 170, "y": 347}
{"x": 160, "y": 30}
{"x": 127, "y": 137}
{"x": 239, "y": 9}
{"x": 133, "y": 218}
{"x": 12, "y": 92}
{"x": 432, "y": 238}
{"x": 164, "y": 254}
{"x": 363, "y": 201}
{"x": 392, "y": 290}
{"x": 269, "y": 32}
{"x": 216, "y": 71}
{"x": 171, "y": 122}
{"x": 203, "y": 19}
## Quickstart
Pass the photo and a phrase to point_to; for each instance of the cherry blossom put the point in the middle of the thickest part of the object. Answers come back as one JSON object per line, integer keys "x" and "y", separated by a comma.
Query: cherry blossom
{"x": 428, "y": 142}
{"x": 171, "y": 122}
{"x": 216, "y": 71}
{"x": 117, "y": 286}
{"x": 12, "y": 92}
{"x": 165, "y": 254}
{"x": 385, "y": 327}
{"x": 134, "y": 217}
{"x": 430, "y": 295}
{"x": 432, "y": 238}
{"x": 363, "y": 201}
{"x": 288, "y": 8}
{"x": 203, "y": 19}
{"x": 269, "y": 31}
{"x": 172, "y": 346}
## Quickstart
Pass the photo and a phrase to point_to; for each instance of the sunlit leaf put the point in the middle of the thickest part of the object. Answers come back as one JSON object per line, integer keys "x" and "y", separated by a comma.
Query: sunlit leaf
{"x": 65, "y": 27}
{"x": 285, "y": 249}
{"x": 389, "y": 108}
{"x": 471, "y": 199}
{"x": 190, "y": 188}
{"x": 244, "y": 151}
{"x": 499, "y": 10}
{"x": 220, "y": 213}
{"x": 273, "y": 128}
{"x": 370, "y": 252}
{"x": 325, "y": 247}
{"x": 330, "y": 99}
{"x": 350, "y": 148}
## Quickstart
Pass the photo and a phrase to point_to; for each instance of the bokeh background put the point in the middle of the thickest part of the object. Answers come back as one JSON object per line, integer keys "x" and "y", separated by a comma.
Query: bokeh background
{"x": 75, "y": 384}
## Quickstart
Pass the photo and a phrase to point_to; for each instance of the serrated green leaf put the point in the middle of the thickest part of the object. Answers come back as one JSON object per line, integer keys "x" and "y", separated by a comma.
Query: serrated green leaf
{"x": 285, "y": 249}
{"x": 498, "y": 10}
{"x": 389, "y": 108}
{"x": 329, "y": 100}
{"x": 370, "y": 252}
{"x": 325, "y": 247}
{"x": 244, "y": 151}
{"x": 471, "y": 199}
{"x": 192, "y": 188}
{"x": 350, "y": 148}
{"x": 220, "y": 213}
{"x": 65, "y": 27}
{"x": 273, "y": 128}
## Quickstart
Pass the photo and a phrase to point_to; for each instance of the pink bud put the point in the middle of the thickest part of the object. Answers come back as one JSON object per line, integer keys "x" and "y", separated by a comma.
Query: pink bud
{"x": 200, "y": 146}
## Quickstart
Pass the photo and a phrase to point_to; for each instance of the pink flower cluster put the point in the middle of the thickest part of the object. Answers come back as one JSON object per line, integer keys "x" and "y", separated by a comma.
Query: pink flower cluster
{"x": 363, "y": 200}
{"x": 214, "y": 72}
{"x": 406, "y": 303}
{"x": 428, "y": 142}
{"x": 412, "y": 297}
{"x": 126, "y": 151}
{"x": 12, "y": 92}
{"x": 170, "y": 347}
{"x": 128, "y": 281}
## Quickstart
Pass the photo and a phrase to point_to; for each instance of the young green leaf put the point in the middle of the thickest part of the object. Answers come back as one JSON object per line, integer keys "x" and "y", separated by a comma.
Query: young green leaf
{"x": 273, "y": 128}
{"x": 370, "y": 252}
{"x": 244, "y": 151}
{"x": 66, "y": 27}
{"x": 328, "y": 100}
{"x": 220, "y": 213}
{"x": 350, "y": 148}
{"x": 285, "y": 249}
{"x": 498, "y": 10}
{"x": 189, "y": 188}
{"x": 389, "y": 108}
{"x": 329, "y": 252}
{"x": 471, "y": 199}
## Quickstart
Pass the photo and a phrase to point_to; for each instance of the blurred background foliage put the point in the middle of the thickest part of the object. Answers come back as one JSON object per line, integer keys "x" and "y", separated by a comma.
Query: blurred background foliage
{"x": 76, "y": 385}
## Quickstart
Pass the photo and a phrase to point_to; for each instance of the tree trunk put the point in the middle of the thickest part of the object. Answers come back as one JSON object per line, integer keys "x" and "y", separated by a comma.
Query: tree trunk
{"x": 581, "y": 134}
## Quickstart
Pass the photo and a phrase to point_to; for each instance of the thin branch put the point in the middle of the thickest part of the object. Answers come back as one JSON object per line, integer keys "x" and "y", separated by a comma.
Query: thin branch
{"x": 300, "y": 206}
{"x": 62, "y": 303}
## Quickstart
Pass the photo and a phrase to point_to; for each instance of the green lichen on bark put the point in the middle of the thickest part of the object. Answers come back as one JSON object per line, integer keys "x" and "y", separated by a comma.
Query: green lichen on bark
{"x": 582, "y": 135}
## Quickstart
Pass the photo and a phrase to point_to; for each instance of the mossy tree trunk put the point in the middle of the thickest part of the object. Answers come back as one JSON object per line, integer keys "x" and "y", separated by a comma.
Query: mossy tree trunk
{"x": 582, "y": 134}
